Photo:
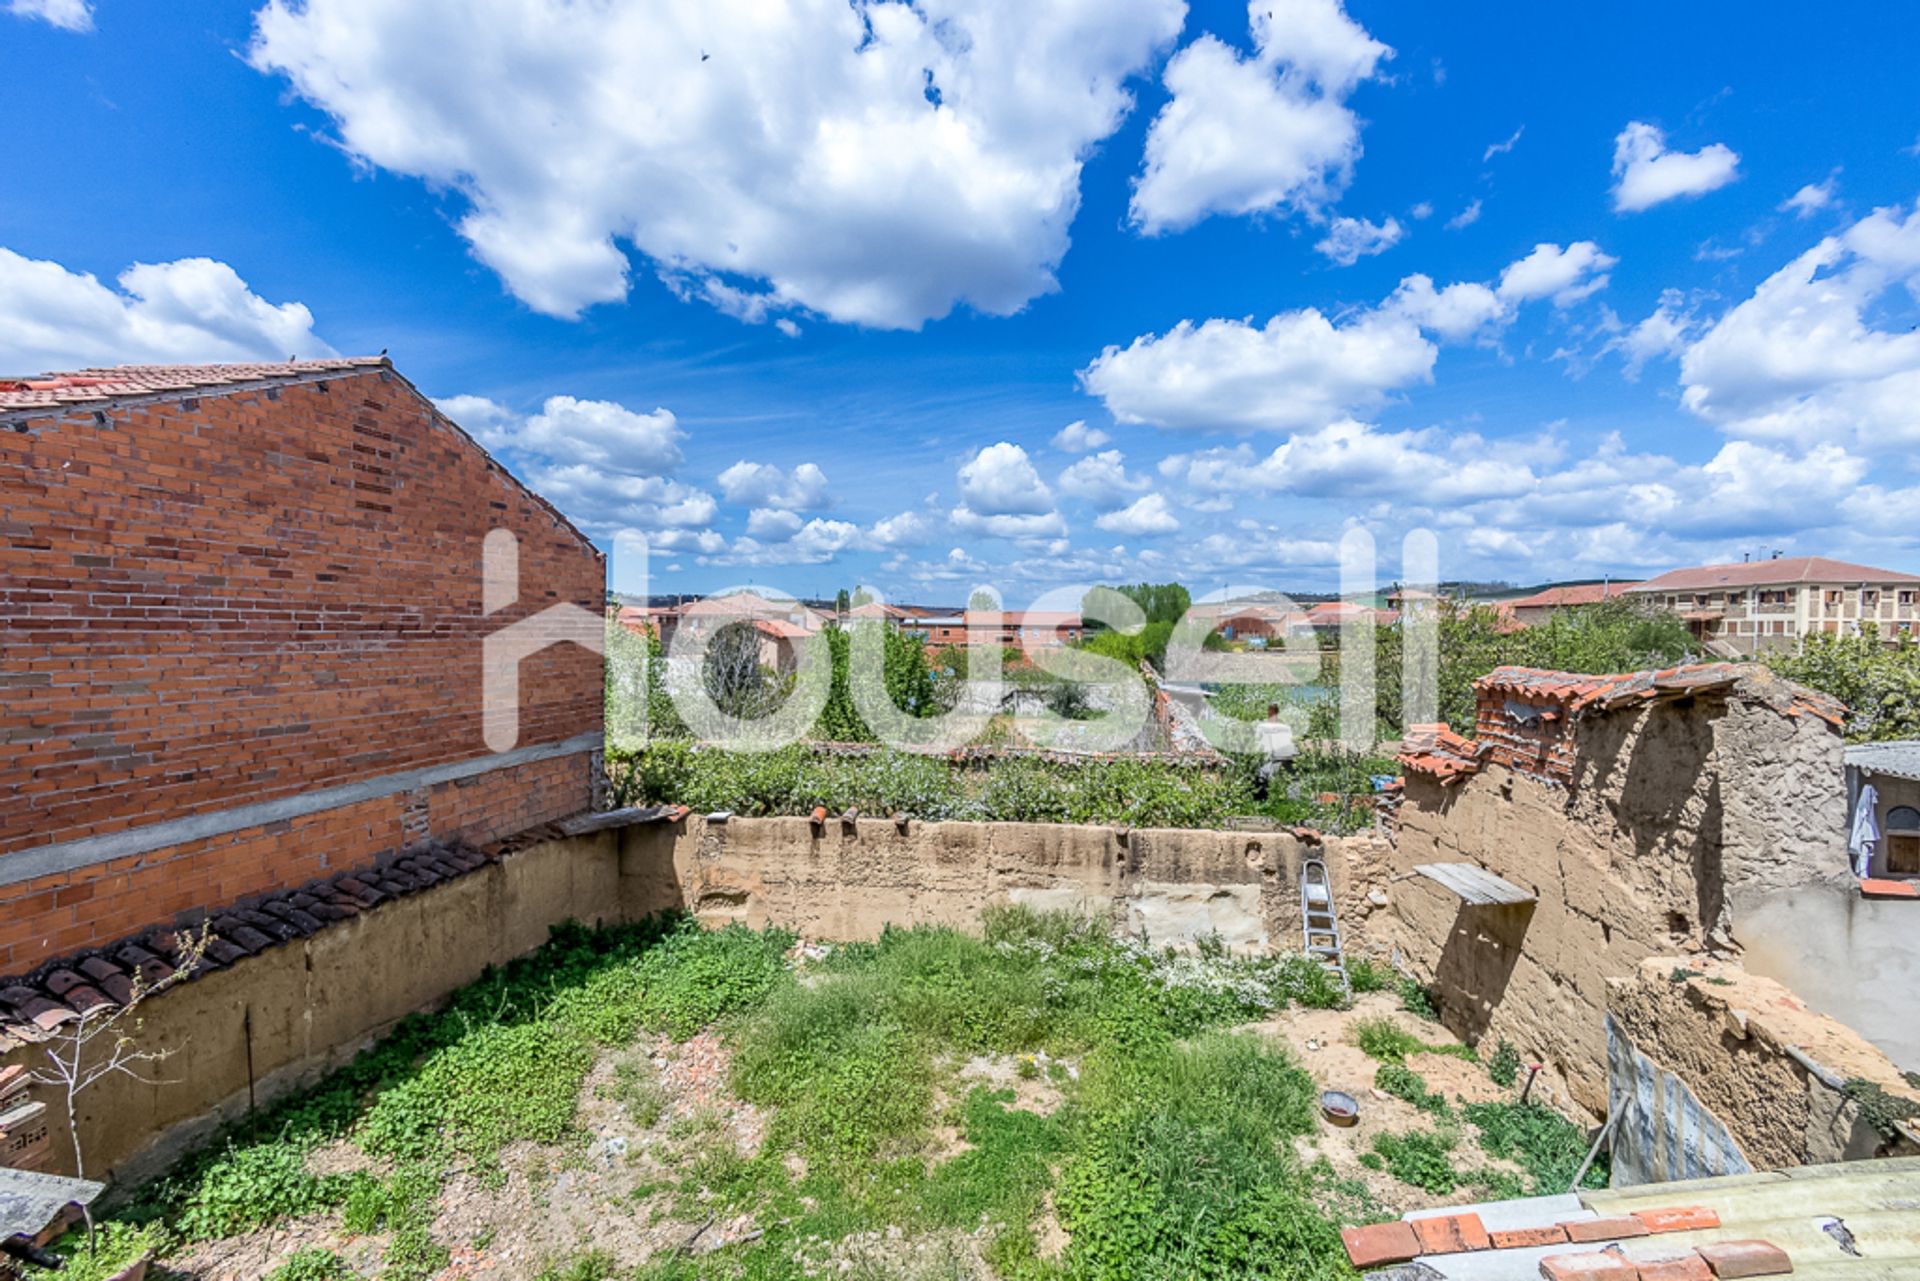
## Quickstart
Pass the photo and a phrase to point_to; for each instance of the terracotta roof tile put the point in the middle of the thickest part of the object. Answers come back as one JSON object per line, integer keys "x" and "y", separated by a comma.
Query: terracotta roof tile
{"x": 32, "y": 1007}
{"x": 1568, "y": 597}
{"x": 56, "y": 391}
{"x": 1765, "y": 573}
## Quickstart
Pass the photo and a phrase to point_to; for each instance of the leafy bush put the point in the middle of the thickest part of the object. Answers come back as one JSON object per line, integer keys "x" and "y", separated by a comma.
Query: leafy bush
{"x": 1144, "y": 793}
{"x": 492, "y": 1086}
{"x": 1614, "y": 636}
{"x": 1545, "y": 1144}
{"x": 1422, "y": 1158}
{"x": 594, "y": 1265}
{"x": 250, "y": 1186}
{"x": 1504, "y": 1067}
{"x": 1385, "y": 1040}
{"x": 1417, "y": 998}
{"x": 1879, "y": 683}
{"x": 1404, "y": 1083}
{"x": 1186, "y": 1169}
{"x": 1366, "y": 975}
{"x": 108, "y": 1249}
{"x": 311, "y": 1264}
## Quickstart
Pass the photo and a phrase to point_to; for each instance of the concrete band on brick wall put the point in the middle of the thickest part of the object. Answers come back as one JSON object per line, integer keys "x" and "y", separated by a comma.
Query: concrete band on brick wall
{"x": 88, "y": 851}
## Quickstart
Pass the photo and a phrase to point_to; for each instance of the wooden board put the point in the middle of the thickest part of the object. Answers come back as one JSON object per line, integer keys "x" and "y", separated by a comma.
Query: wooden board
{"x": 1475, "y": 885}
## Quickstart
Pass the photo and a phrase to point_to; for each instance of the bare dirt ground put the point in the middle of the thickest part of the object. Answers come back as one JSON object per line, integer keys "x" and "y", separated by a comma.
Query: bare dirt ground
{"x": 1323, "y": 1042}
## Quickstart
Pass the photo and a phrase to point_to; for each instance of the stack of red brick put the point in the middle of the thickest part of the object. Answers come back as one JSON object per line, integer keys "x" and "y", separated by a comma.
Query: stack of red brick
{"x": 1383, "y": 1244}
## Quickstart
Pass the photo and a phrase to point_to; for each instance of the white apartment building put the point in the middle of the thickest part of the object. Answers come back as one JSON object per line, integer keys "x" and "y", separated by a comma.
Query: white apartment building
{"x": 1760, "y": 605}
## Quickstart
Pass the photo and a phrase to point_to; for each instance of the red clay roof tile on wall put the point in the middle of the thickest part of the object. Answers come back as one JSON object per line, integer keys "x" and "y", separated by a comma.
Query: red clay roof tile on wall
{"x": 120, "y": 382}
{"x": 61, "y": 991}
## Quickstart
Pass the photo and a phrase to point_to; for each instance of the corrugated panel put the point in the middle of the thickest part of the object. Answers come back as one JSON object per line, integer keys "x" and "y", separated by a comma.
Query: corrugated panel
{"x": 1661, "y": 1133}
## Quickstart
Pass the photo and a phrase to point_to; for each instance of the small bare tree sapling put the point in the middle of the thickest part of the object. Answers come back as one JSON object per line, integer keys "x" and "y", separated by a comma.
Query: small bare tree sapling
{"x": 106, "y": 1040}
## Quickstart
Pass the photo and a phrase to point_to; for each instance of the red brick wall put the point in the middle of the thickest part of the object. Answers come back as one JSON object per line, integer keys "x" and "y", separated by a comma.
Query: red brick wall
{"x": 1543, "y": 748}
{"x": 242, "y": 597}
{"x": 55, "y": 916}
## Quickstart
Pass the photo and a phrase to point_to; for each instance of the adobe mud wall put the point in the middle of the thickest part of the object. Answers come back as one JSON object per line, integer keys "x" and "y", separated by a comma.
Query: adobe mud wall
{"x": 250, "y": 1033}
{"x": 1633, "y": 844}
{"x": 259, "y": 1029}
{"x": 849, "y": 880}
{"x": 1718, "y": 1070}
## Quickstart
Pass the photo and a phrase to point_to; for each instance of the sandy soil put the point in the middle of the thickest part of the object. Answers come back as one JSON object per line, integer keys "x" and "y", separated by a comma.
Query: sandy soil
{"x": 1323, "y": 1042}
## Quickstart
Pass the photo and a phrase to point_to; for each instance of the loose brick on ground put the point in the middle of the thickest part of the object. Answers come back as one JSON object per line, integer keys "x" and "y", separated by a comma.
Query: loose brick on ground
{"x": 1380, "y": 1243}
{"x": 1684, "y": 1267}
{"x": 1591, "y": 1266}
{"x": 1734, "y": 1259}
{"x": 1451, "y": 1233}
{"x": 1679, "y": 1218}
{"x": 1589, "y": 1231}
{"x": 1524, "y": 1238}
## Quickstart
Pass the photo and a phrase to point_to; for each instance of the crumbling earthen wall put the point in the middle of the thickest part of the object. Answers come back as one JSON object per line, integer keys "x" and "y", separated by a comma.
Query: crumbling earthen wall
{"x": 848, "y": 880}
{"x": 249, "y": 1033}
{"x": 1632, "y": 835}
{"x": 1770, "y": 1073}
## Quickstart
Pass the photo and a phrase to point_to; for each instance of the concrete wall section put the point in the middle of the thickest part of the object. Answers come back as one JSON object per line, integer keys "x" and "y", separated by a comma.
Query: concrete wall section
{"x": 1851, "y": 958}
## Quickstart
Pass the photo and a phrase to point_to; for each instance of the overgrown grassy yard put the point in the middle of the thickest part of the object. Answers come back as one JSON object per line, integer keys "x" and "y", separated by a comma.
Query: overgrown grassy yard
{"x": 1042, "y": 1099}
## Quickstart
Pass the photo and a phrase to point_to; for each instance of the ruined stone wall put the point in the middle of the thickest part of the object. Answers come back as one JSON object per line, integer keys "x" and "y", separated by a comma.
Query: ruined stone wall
{"x": 1665, "y": 808}
{"x": 1738, "y": 1060}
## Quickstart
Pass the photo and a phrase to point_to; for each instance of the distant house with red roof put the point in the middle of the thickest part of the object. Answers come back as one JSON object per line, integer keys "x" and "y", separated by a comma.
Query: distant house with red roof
{"x": 1544, "y": 604}
{"x": 1328, "y": 615}
{"x": 1770, "y": 604}
{"x": 1025, "y": 630}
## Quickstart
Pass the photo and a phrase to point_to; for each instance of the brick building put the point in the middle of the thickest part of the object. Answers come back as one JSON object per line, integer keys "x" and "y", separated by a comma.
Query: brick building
{"x": 242, "y": 642}
{"x": 1025, "y": 630}
{"x": 1760, "y": 605}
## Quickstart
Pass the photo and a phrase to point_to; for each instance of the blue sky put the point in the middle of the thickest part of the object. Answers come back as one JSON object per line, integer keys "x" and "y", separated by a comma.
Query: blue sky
{"x": 814, "y": 309}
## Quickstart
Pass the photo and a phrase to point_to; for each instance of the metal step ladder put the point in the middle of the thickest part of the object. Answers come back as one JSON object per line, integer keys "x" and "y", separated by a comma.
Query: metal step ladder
{"x": 1319, "y": 928}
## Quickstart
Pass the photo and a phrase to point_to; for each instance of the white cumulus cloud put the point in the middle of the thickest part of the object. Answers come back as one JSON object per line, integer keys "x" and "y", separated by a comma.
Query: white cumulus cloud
{"x": 875, "y": 163}
{"x": 1246, "y": 135}
{"x": 1565, "y": 275}
{"x": 804, "y": 488}
{"x": 1002, "y": 495}
{"x": 1078, "y": 438}
{"x": 1101, "y": 479}
{"x": 1802, "y": 359}
{"x": 1145, "y": 516}
{"x": 1348, "y": 240}
{"x": 68, "y": 15}
{"x": 1810, "y": 199}
{"x": 1646, "y": 173}
{"x": 1300, "y": 369}
{"x": 193, "y": 310}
